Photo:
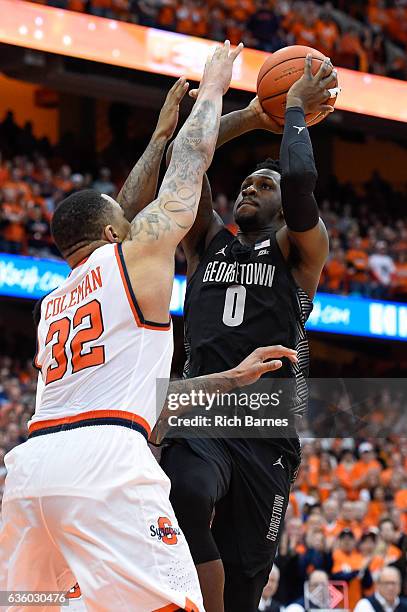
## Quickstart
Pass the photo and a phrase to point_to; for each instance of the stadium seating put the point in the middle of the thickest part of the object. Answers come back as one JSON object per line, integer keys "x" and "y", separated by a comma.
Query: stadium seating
{"x": 368, "y": 36}
{"x": 342, "y": 484}
{"x": 368, "y": 243}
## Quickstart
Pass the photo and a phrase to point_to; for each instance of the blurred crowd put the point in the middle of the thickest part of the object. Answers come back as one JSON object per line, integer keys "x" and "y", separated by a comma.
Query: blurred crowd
{"x": 347, "y": 514}
{"x": 368, "y": 247}
{"x": 367, "y": 230}
{"x": 367, "y": 35}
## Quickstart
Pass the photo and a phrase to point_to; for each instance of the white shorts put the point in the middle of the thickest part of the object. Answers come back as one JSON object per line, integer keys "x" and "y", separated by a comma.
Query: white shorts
{"x": 91, "y": 505}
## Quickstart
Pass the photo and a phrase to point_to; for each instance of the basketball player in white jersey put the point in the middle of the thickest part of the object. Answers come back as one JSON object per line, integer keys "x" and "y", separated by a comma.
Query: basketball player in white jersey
{"x": 84, "y": 495}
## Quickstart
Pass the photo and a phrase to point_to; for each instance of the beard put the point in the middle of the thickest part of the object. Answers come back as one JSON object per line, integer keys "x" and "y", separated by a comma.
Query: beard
{"x": 247, "y": 222}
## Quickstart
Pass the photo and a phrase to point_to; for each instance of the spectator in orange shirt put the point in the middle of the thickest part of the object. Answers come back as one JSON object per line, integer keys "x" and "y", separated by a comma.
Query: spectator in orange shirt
{"x": 240, "y": 9}
{"x": 330, "y": 509}
{"x": 378, "y": 14}
{"x": 63, "y": 180}
{"x": 335, "y": 273}
{"x": 400, "y": 500}
{"x": 395, "y": 462}
{"x": 343, "y": 472}
{"x": 358, "y": 265}
{"x": 367, "y": 463}
{"x": 325, "y": 480}
{"x": 17, "y": 183}
{"x": 199, "y": 19}
{"x": 351, "y": 52}
{"x": 347, "y": 519}
{"x": 184, "y": 17}
{"x": 376, "y": 508}
{"x": 327, "y": 33}
{"x": 234, "y": 30}
{"x": 305, "y": 32}
{"x": 12, "y": 222}
{"x": 166, "y": 16}
{"x": 397, "y": 25}
{"x": 350, "y": 566}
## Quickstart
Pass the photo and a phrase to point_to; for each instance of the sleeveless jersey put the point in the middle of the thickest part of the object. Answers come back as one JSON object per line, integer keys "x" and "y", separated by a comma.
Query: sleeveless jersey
{"x": 95, "y": 350}
{"x": 240, "y": 298}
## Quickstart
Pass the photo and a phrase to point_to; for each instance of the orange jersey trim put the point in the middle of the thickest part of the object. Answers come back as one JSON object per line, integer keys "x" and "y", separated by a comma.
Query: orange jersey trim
{"x": 189, "y": 607}
{"x": 93, "y": 414}
{"x": 132, "y": 298}
{"x": 80, "y": 263}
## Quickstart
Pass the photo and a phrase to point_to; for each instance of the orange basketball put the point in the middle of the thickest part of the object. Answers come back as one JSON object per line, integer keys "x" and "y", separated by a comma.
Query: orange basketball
{"x": 278, "y": 73}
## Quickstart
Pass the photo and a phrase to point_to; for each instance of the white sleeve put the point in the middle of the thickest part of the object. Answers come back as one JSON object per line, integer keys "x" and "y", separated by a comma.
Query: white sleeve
{"x": 40, "y": 389}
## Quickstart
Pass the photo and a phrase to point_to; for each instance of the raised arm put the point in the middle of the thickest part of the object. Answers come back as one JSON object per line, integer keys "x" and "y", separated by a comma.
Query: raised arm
{"x": 208, "y": 222}
{"x": 164, "y": 222}
{"x": 140, "y": 186}
{"x": 159, "y": 228}
{"x": 304, "y": 231}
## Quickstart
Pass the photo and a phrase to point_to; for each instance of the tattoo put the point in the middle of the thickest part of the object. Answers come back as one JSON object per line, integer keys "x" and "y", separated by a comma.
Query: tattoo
{"x": 160, "y": 217}
{"x": 141, "y": 184}
{"x": 175, "y": 209}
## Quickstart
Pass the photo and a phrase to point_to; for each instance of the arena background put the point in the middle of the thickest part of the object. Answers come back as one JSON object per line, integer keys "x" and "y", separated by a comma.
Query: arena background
{"x": 80, "y": 94}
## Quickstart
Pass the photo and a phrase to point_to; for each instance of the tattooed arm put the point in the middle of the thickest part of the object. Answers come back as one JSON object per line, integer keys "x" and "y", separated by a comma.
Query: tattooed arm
{"x": 208, "y": 223}
{"x": 171, "y": 215}
{"x": 158, "y": 229}
{"x": 141, "y": 184}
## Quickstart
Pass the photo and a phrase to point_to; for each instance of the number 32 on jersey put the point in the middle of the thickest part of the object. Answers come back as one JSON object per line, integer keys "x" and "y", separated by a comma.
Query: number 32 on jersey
{"x": 77, "y": 351}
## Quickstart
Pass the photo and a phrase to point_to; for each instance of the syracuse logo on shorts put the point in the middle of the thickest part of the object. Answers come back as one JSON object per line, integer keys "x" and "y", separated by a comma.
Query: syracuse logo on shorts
{"x": 74, "y": 593}
{"x": 165, "y": 531}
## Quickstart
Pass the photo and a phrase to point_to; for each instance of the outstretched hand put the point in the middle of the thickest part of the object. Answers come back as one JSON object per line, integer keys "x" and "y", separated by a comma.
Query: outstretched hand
{"x": 218, "y": 68}
{"x": 312, "y": 92}
{"x": 168, "y": 119}
{"x": 262, "y": 360}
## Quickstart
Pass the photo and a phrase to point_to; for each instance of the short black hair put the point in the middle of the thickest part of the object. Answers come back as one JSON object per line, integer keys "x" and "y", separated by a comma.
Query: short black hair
{"x": 269, "y": 164}
{"x": 79, "y": 220}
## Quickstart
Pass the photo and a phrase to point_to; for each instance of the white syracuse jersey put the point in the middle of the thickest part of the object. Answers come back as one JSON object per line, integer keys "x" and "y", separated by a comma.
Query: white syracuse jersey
{"x": 98, "y": 356}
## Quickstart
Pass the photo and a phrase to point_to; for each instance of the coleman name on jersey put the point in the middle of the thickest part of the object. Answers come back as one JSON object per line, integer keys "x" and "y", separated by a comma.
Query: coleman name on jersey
{"x": 241, "y": 274}
{"x": 91, "y": 282}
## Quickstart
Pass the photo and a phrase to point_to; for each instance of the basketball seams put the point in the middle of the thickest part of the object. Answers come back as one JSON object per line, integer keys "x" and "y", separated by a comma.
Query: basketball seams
{"x": 273, "y": 76}
{"x": 292, "y": 59}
